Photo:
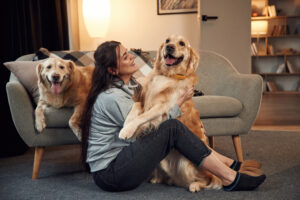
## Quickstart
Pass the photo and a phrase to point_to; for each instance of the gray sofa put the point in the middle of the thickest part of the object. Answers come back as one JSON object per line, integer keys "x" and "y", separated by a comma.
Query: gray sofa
{"x": 228, "y": 108}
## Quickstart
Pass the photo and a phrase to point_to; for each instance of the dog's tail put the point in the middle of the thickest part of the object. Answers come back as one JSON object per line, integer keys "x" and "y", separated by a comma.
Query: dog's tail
{"x": 209, "y": 180}
{"x": 215, "y": 183}
{"x": 251, "y": 167}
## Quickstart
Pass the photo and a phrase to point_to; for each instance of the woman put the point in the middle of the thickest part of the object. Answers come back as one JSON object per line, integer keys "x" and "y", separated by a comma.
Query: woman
{"x": 119, "y": 165}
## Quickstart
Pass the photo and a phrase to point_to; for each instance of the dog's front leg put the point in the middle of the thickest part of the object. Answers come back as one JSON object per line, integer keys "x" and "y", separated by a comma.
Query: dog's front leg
{"x": 134, "y": 112}
{"x": 156, "y": 111}
{"x": 40, "y": 123}
{"x": 74, "y": 121}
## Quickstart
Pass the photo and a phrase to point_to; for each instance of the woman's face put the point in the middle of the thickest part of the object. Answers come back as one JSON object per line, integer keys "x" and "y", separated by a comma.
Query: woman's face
{"x": 126, "y": 67}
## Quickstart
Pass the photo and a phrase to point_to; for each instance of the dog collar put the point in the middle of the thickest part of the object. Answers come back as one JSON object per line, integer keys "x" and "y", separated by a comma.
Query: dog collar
{"x": 179, "y": 76}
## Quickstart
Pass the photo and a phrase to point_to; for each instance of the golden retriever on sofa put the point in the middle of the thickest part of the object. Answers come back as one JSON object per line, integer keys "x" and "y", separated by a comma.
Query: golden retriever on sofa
{"x": 62, "y": 84}
{"x": 174, "y": 72}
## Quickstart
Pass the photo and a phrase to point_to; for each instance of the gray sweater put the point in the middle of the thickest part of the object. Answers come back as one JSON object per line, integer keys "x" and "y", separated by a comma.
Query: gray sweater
{"x": 108, "y": 115}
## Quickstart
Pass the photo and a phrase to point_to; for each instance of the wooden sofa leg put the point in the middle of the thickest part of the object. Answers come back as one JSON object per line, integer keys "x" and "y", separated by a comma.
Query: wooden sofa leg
{"x": 238, "y": 147}
{"x": 211, "y": 141}
{"x": 38, "y": 155}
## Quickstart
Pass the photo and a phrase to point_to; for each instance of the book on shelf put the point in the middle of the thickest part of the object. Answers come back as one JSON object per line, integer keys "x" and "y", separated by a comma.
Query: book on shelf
{"x": 271, "y": 86}
{"x": 253, "y": 49}
{"x": 278, "y": 30}
{"x": 265, "y": 11}
{"x": 280, "y": 68}
{"x": 270, "y": 50}
{"x": 290, "y": 67}
{"x": 272, "y": 11}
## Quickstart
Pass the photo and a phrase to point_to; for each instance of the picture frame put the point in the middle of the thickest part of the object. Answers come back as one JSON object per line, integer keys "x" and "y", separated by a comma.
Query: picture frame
{"x": 167, "y": 7}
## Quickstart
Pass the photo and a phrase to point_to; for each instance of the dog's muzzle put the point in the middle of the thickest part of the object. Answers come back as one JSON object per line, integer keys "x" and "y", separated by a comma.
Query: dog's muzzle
{"x": 56, "y": 84}
{"x": 170, "y": 60}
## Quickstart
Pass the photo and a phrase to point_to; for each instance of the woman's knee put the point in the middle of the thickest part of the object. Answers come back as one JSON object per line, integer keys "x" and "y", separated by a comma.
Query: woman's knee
{"x": 171, "y": 123}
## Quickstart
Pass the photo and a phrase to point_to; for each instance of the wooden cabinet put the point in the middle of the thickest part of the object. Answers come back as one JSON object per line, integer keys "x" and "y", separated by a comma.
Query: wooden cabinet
{"x": 275, "y": 45}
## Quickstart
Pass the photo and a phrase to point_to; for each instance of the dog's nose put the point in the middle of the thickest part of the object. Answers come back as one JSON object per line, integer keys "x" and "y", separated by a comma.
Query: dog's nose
{"x": 55, "y": 77}
{"x": 170, "y": 49}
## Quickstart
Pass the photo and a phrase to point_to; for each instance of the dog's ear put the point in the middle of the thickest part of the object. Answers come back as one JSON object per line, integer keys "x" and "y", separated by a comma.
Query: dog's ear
{"x": 158, "y": 61}
{"x": 71, "y": 65}
{"x": 194, "y": 59}
{"x": 39, "y": 69}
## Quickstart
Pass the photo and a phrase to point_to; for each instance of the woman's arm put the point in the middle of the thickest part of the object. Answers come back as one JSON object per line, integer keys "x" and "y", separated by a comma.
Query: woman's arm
{"x": 175, "y": 112}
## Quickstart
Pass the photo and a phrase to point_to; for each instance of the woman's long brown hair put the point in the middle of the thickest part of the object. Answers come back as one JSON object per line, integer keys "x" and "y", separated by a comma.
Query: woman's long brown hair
{"x": 105, "y": 56}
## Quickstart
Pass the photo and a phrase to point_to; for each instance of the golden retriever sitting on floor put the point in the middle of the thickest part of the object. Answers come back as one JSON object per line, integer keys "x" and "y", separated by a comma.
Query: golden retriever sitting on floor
{"x": 62, "y": 84}
{"x": 174, "y": 72}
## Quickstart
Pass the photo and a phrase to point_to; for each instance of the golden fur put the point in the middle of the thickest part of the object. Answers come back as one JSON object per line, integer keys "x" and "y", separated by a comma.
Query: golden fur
{"x": 70, "y": 89}
{"x": 160, "y": 92}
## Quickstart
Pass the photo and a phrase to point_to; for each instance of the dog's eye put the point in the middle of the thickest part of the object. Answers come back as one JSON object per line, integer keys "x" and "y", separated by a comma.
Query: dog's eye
{"x": 61, "y": 67}
{"x": 182, "y": 43}
{"x": 167, "y": 41}
{"x": 49, "y": 67}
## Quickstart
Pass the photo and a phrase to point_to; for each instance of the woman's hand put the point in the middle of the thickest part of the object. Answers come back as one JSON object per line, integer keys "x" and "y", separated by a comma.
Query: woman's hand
{"x": 185, "y": 95}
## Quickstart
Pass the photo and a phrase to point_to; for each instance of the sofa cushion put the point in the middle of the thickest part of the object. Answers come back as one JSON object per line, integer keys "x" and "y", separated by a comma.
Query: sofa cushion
{"x": 58, "y": 117}
{"x": 217, "y": 106}
{"x": 26, "y": 74}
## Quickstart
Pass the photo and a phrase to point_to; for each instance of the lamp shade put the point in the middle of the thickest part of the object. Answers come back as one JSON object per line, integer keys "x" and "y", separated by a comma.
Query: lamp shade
{"x": 259, "y": 27}
{"x": 96, "y": 14}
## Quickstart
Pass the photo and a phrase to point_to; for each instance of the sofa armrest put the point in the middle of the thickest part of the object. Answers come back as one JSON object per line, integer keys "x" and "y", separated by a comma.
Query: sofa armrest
{"x": 22, "y": 111}
{"x": 247, "y": 88}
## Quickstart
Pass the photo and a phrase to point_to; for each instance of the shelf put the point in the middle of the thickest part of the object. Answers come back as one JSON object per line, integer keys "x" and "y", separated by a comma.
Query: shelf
{"x": 279, "y": 74}
{"x": 282, "y": 92}
{"x": 273, "y": 18}
{"x": 277, "y": 55}
{"x": 278, "y": 36}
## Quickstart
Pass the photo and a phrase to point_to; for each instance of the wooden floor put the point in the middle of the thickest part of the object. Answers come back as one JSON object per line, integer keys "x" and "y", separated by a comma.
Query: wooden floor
{"x": 276, "y": 128}
{"x": 281, "y": 110}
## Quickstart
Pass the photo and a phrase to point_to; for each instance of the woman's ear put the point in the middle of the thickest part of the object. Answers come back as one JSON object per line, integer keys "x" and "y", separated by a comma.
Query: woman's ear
{"x": 112, "y": 71}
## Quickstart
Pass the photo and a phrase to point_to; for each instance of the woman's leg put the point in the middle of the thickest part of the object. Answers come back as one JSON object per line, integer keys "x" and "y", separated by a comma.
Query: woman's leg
{"x": 219, "y": 168}
{"x": 135, "y": 163}
{"x": 227, "y": 161}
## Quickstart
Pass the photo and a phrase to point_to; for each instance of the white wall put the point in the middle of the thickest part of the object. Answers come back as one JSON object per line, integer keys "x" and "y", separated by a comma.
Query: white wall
{"x": 135, "y": 24}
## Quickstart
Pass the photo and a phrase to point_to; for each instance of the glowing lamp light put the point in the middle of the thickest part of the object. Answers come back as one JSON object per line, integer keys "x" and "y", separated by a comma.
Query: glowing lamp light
{"x": 259, "y": 27}
{"x": 96, "y": 15}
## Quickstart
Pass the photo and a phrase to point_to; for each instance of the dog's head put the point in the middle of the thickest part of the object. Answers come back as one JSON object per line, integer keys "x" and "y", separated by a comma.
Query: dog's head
{"x": 55, "y": 74}
{"x": 176, "y": 57}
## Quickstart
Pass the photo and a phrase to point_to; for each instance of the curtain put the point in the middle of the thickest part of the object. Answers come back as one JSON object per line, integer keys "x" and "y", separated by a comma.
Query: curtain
{"x": 27, "y": 25}
{"x": 37, "y": 23}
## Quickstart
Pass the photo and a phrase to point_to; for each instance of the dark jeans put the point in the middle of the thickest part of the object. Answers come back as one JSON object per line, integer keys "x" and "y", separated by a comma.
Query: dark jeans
{"x": 135, "y": 163}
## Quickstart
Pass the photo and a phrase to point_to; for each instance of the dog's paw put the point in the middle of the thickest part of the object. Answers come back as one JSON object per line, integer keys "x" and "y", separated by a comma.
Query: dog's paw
{"x": 127, "y": 131}
{"x": 76, "y": 130}
{"x": 196, "y": 186}
{"x": 40, "y": 124}
{"x": 155, "y": 180}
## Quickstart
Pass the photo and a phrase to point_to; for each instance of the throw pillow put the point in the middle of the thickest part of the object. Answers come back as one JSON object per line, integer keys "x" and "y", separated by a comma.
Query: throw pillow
{"x": 80, "y": 58}
{"x": 25, "y": 71}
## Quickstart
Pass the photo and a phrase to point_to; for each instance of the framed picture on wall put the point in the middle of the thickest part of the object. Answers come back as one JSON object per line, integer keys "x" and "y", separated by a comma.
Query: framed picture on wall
{"x": 166, "y": 7}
